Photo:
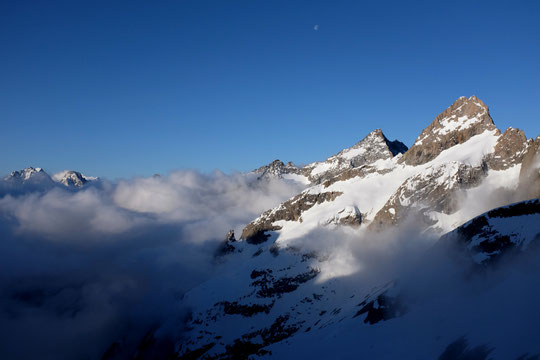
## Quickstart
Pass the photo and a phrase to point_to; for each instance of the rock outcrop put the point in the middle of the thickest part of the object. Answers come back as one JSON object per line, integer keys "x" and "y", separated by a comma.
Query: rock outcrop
{"x": 509, "y": 151}
{"x": 529, "y": 176}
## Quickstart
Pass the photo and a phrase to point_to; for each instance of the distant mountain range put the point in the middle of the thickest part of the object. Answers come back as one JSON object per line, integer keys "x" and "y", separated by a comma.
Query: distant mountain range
{"x": 38, "y": 176}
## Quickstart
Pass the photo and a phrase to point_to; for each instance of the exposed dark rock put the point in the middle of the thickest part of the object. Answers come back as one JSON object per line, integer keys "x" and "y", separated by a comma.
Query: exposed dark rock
{"x": 245, "y": 346}
{"x": 459, "y": 350}
{"x": 269, "y": 286}
{"x": 383, "y": 308}
{"x": 196, "y": 353}
{"x": 279, "y": 330}
{"x": 242, "y": 349}
{"x": 233, "y": 308}
{"x": 256, "y": 273}
{"x": 228, "y": 244}
{"x": 523, "y": 208}
{"x": 148, "y": 348}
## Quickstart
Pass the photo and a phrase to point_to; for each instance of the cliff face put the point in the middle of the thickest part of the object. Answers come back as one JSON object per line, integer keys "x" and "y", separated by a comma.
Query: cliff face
{"x": 465, "y": 118}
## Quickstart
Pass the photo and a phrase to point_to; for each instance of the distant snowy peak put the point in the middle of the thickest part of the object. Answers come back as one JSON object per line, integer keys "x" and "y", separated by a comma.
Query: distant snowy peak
{"x": 38, "y": 176}
{"x": 374, "y": 147}
{"x": 29, "y": 174}
{"x": 73, "y": 178}
{"x": 465, "y": 118}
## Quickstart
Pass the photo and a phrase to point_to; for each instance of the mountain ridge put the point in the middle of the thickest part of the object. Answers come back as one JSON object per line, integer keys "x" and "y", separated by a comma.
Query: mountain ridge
{"x": 456, "y": 152}
{"x": 37, "y": 176}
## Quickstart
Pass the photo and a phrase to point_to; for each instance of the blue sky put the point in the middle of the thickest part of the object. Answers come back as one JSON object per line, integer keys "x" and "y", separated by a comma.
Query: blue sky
{"x": 117, "y": 89}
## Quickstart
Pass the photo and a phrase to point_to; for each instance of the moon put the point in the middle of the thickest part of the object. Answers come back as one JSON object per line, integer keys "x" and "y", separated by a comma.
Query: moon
{"x": 316, "y": 27}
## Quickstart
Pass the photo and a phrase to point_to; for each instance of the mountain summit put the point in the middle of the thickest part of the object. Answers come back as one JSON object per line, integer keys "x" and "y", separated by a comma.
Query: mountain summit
{"x": 72, "y": 178}
{"x": 365, "y": 153}
{"x": 465, "y": 118}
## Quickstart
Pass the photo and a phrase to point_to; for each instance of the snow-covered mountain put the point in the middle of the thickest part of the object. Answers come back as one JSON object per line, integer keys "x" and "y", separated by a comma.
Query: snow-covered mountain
{"x": 458, "y": 157}
{"x": 291, "y": 285}
{"x": 28, "y": 174}
{"x": 37, "y": 177}
{"x": 346, "y": 164}
{"x": 72, "y": 178}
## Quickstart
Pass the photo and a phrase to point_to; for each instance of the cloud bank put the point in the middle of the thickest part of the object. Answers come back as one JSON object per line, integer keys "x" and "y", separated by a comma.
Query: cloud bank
{"x": 82, "y": 269}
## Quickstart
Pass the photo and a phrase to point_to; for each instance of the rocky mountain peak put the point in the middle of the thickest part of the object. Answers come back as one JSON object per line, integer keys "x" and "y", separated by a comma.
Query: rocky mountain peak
{"x": 465, "y": 118}
{"x": 371, "y": 148}
{"x": 276, "y": 169}
{"x": 463, "y": 106}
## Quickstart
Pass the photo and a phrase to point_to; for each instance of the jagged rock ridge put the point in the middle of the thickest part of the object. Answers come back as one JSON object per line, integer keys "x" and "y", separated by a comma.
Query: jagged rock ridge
{"x": 276, "y": 169}
{"x": 374, "y": 147}
{"x": 455, "y": 153}
{"x": 465, "y": 118}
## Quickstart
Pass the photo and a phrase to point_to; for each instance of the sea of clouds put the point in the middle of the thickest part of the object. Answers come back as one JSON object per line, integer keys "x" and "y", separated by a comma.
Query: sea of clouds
{"x": 81, "y": 269}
